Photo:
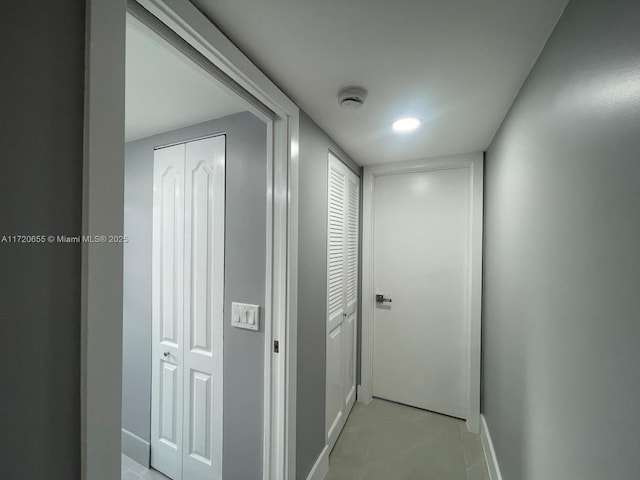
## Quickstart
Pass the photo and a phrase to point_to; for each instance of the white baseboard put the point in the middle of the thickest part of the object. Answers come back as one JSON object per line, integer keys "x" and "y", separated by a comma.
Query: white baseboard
{"x": 362, "y": 396}
{"x": 321, "y": 467}
{"x": 136, "y": 448}
{"x": 489, "y": 452}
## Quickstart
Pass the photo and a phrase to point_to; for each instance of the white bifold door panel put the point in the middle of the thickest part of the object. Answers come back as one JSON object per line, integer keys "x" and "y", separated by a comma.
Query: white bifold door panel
{"x": 342, "y": 294}
{"x": 187, "y": 309}
{"x": 167, "y": 310}
{"x": 421, "y": 262}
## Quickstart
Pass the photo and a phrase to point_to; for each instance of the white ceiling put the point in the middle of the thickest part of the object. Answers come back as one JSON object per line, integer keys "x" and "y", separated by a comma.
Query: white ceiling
{"x": 456, "y": 64}
{"x": 165, "y": 90}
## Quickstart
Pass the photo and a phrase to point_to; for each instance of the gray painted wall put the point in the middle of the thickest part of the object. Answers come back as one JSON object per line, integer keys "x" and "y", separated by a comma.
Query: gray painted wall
{"x": 562, "y": 270}
{"x": 41, "y": 111}
{"x": 245, "y": 259}
{"x": 312, "y": 290}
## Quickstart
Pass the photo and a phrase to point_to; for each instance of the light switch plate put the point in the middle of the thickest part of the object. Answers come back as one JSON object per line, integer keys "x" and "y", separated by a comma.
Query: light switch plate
{"x": 244, "y": 315}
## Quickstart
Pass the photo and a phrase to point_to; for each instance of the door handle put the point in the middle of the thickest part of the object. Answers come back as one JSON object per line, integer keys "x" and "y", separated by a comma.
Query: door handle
{"x": 166, "y": 354}
{"x": 380, "y": 298}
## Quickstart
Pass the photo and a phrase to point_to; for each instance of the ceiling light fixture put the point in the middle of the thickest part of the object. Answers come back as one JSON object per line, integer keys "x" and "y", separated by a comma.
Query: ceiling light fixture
{"x": 405, "y": 125}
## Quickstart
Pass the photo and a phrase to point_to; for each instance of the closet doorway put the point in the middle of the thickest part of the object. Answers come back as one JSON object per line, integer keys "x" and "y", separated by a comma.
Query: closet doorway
{"x": 196, "y": 388}
{"x": 104, "y": 380}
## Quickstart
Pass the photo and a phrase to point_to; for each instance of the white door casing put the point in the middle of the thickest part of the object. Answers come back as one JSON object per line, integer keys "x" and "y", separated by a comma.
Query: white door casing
{"x": 472, "y": 164}
{"x": 342, "y": 292}
{"x": 196, "y": 418}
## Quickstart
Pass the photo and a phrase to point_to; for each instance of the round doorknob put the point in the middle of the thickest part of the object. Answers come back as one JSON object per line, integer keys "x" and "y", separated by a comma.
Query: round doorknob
{"x": 166, "y": 354}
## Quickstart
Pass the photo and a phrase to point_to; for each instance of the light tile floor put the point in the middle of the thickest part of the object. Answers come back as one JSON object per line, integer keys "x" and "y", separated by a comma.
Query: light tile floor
{"x": 385, "y": 440}
{"x": 132, "y": 470}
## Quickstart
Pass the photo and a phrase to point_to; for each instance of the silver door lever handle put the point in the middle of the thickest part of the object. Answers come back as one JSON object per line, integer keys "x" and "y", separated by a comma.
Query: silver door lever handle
{"x": 380, "y": 298}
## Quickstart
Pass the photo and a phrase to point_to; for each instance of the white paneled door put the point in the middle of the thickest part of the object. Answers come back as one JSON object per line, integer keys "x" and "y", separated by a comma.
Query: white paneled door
{"x": 342, "y": 294}
{"x": 187, "y": 309}
{"x": 421, "y": 264}
{"x": 167, "y": 310}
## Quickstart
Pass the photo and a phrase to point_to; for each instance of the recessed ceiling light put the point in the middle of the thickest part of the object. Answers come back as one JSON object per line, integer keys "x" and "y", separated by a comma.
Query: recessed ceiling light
{"x": 405, "y": 125}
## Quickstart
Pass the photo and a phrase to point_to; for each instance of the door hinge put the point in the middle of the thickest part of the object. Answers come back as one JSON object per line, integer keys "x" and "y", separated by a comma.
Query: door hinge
{"x": 276, "y": 346}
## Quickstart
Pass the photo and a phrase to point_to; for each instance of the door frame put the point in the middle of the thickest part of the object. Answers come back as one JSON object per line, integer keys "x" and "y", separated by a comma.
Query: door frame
{"x": 103, "y": 210}
{"x": 474, "y": 162}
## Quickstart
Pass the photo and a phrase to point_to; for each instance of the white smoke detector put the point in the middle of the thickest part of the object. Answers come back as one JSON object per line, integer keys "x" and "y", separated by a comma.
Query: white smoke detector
{"x": 352, "y": 97}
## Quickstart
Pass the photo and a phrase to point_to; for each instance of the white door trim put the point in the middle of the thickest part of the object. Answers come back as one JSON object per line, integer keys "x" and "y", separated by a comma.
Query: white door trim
{"x": 103, "y": 206}
{"x": 474, "y": 162}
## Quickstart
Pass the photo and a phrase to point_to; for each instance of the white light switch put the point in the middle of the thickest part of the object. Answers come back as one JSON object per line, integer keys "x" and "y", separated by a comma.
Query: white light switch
{"x": 246, "y": 316}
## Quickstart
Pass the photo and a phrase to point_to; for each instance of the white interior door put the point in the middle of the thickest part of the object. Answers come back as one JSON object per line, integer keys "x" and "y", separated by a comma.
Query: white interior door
{"x": 421, "y": 262}
{"x": 342, "y": 293}
{"x": 188, "y": 289}
{"x": 203, "y": 308}
{"x": 167, "y": 310}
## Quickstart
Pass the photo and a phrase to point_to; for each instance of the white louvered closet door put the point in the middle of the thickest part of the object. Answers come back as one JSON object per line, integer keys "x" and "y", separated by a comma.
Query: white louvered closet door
{"x": 342, "y": 294}
{"x": 351, "y": 288}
